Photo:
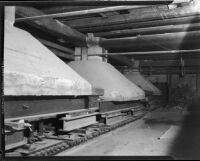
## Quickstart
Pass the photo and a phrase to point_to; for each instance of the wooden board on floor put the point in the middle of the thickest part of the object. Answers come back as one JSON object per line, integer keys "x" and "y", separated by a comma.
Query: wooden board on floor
{"x": 79, "y": 123}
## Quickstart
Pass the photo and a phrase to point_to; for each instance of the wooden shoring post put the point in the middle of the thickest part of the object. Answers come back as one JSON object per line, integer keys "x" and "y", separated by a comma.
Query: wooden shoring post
{"x": 81, "y": 53}
{"x": 93, "y": 47}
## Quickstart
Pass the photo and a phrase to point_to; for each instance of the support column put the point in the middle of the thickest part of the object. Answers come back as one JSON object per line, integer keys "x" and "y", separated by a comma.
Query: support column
{"x": 90, "y": 52}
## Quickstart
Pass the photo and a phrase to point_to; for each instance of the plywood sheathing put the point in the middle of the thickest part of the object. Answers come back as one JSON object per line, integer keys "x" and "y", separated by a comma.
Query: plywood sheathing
{"x": 103, "y": 75}
{"x": 142, "y": 82}
{"x": 32, "y": 69}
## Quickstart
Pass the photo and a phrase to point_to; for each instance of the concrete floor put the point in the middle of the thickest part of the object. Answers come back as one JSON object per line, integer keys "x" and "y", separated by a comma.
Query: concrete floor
{"x": 154, "y": 135}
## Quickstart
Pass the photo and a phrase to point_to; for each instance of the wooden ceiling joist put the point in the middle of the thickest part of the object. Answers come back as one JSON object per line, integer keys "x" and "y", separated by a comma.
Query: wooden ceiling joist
{"x": 117, "y": 2}
{"x": 155, "y": 14}
{"x": 56, "y": 46}
{"x": 169, "y": 71}
{"x": 52, "y": 26}
{"x": 189, "y": 52}
{"x": 159, "y": 40}
{"x": 76, "y": 13}
{"x": 166, "y": 57}
{"x": 62, "y": 54}
{"x": 170, "y": 63}
{"x": 143, "y": 24}
{"x": 149, "y": 30}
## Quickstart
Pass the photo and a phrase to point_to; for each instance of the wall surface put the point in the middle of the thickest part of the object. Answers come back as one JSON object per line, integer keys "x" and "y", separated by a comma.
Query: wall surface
{"x": 176, "y": 88}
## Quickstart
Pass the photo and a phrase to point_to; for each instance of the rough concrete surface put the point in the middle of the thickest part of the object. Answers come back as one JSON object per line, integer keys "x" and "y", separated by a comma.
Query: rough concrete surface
{"x": 142, "y": 82}
{"x": 32, "y": 69}
{"x": 140, "y": 138}
{"x": 103, "y": 75}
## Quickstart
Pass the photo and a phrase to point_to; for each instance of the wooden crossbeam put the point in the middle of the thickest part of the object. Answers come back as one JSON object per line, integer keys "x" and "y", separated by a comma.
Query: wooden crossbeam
{"x": 169, "y": 63}
{"x": 139, "y": 16}
{"x": 52, "y": 26}
{"x": 62, "y": 54}
{"x": 56, "y": 46}
{"x": 117, "y": 2}
{"x": 194, "y": 51}
{"x": 159, "y": 40}
{"x": 142, "y": 24}
{"x": 150, "y": 30}
{"x": 76, "y": 13}
{"x": 169, "y": 70}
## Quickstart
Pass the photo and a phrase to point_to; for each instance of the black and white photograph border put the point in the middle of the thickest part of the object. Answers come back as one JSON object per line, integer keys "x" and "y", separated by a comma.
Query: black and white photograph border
{"x": 100, "y": 80}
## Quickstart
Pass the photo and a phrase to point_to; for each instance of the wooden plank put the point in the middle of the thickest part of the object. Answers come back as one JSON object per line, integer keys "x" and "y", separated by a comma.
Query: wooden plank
{"x": 56, "y": 46}
{"x": 170, "y": 70}
{"x": 139, "y": 16}
{"x": 78, "y": 117}
{"x": 117, "y": 2}
{"x": 170, "y": 63}
{"x": 158, "y": 40}
{"x": 62, "y": 54}
{"x": 142, "y": 24}
{"x": 79, "y": 123}
{"x": 150, "y": 30}
{"x": 172, "y": 52}
{"x": 76, "y": 13}
{"x": 52, "y": 26}
{"x": 120, "y": 110}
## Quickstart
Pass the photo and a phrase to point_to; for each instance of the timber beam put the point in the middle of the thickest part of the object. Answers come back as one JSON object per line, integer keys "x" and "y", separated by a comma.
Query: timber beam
{"x": 62, "y": 54}
{"x": 171, "y": 71}
{"x": 150, "y": 30}
{"x": 142, "y": 24}
{"x": 194, "y": 51}
{"x": 76, "y": 13}
{"x": 170, "y": 63}
{"x": 117, "y": 2}
{"x": 52, "y": 26}
{"x": 165, "y": 41}
{"x": 56, "y": 46}
{"x": 140, "y": 16}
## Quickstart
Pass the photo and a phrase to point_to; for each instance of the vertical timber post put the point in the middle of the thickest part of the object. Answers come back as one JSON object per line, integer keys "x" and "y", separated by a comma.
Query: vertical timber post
{"x": 92, "y": 52}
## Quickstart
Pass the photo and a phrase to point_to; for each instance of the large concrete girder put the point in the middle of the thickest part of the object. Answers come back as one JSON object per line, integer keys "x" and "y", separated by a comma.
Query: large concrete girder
{"x": 103, "y": 75}
{"x": 32, "y": 69}
{"x": 142, "y": 82}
